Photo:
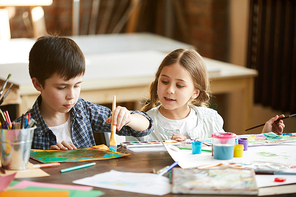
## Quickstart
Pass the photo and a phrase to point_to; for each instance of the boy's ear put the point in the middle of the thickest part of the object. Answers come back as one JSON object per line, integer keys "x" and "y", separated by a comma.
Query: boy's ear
{"x": 36, "y": 84}
{"x": 195, "y": 94}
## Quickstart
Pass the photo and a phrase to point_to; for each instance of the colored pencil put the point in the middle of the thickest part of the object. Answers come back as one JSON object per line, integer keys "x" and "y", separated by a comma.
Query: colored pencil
{"x": 168, "y": 168}
{"x": 46, "y": 165}
{"x": 290, "y": 116}
{"x": 78, "y": 167}
{"x": 28, "y": 120}
{"x": 6, "y": 114}
{"x": 22, "y": 121}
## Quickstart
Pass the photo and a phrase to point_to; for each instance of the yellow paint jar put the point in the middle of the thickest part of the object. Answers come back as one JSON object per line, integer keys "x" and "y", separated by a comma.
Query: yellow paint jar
{"x": 238, "y": 150}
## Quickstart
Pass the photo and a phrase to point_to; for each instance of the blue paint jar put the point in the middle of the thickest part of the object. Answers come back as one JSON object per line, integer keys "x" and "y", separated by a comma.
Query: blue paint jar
{"x": 196, "y": 147}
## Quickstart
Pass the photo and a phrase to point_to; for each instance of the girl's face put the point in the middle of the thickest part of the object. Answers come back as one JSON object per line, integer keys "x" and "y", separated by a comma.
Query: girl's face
{"x": 175, "y": 88}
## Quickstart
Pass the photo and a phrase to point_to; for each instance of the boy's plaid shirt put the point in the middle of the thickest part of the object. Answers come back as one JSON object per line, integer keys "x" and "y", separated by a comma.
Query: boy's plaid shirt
{"x": 86, "y": 118}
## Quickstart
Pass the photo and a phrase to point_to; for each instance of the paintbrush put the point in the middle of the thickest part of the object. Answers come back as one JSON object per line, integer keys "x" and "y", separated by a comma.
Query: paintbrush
{"x": 290, "y": 116}
{"x": 112, "y": 141}
{"x": 4, "y": 85}
{"x": 5, "y": 94}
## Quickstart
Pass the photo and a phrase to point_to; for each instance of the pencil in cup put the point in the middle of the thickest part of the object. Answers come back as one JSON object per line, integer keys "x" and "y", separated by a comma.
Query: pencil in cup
{"x": 21, "y": 125}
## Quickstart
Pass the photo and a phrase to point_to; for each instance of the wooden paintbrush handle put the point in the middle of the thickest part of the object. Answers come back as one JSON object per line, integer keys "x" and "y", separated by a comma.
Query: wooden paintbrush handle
{"x": 113, "y": 127}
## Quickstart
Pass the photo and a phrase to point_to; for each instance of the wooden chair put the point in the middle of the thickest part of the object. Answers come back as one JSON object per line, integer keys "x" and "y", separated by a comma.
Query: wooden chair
{"x": 99, "y": 17}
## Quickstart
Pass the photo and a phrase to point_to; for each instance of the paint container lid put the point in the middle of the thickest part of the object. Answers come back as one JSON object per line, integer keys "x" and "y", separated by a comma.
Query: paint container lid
{"x": 226, "y": 135}
{"x": 223, "y": 138}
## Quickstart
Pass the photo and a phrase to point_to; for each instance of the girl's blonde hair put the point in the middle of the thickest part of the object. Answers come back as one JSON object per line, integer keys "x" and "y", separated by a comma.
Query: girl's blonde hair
{"x": 195, "y": 65}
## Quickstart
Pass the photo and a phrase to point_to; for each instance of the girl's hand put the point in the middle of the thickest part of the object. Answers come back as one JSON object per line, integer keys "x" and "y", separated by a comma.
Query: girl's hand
{"x": 63, "y": 146}
{"x": 274, "y": 125}
{"x": 178, "y": 137}
{"x": 122, "y": 117}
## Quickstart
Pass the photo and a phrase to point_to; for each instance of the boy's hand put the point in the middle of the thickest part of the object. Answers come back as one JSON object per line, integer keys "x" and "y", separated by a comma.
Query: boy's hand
{"x": 274, "y": 125}
{"x": 178, "y": 137}
{"x": 121, "y": 116}
{"x": 63, "y": 146}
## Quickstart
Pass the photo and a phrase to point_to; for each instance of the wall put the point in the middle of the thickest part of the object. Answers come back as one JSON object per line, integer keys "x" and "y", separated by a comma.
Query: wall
{"x": 238, "y": 51}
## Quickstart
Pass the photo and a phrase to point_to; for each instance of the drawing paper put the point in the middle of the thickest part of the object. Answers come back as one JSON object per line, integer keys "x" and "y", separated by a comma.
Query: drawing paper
{"x": 99, "y": 152}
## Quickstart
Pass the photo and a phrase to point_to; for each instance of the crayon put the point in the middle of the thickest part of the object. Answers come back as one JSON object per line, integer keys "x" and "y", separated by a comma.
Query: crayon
{"x": 78, "y": 167}
{"x": 46, "y": 165}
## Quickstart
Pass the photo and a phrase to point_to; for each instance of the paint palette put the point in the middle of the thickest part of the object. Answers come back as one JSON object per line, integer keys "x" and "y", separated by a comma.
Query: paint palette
{"x": 145, "y": 144}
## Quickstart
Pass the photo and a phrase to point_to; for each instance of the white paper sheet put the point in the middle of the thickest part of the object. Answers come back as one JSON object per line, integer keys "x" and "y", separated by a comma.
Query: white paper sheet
{"x": 146, "y": 183}
{"x": 284, "y": 154}
{"x": 268, "y": 180}
{"x": 148, "y": 149}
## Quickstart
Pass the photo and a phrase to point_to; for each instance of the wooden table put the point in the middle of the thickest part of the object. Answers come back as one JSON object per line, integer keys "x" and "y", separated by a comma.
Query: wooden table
{"x": 124, "y": 65}
{"x": 141, "y": 162}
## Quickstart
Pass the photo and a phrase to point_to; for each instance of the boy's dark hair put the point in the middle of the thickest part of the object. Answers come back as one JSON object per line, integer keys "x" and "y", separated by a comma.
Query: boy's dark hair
{"x": 53, "y": 54}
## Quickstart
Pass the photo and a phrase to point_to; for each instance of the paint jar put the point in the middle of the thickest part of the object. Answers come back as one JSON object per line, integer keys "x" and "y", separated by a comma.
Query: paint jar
{"x": 223, "y": 145}
{"x": 243, "y": 141}
{"x": 238, "y": 150}
{"x": 196, "y": 147}
{"x": 15, "y": 146}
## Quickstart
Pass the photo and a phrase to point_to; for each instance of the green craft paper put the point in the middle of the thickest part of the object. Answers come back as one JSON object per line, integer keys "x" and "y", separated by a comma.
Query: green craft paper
{"x": 13, "y": 183}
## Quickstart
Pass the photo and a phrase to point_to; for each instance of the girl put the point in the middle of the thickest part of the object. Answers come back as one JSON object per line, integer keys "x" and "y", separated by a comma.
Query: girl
{"x": 179, "y": 100}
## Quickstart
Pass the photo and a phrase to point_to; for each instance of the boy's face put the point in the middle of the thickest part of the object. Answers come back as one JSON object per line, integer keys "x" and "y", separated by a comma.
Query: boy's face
{"x": 59, "y": 95}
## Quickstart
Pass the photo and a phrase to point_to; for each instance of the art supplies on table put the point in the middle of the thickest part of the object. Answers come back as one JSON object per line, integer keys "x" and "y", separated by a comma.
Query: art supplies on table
{"x": 262, "y": 139}
{"x": 99, "y": 152}
{"x": 214, "y": 181}
{"x": 268, "y": 139}
{"x": 145, "y": 144}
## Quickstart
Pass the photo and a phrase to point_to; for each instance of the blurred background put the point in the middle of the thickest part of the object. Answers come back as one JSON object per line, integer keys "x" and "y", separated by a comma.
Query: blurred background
{"x": 258, "y": 34}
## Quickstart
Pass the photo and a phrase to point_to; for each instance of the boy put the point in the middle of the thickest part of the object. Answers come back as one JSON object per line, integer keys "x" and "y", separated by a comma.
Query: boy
{"x": 65, "y": 121}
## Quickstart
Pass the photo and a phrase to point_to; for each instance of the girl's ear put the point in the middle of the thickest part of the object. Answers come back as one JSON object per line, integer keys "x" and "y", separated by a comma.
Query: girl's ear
{"x": 36, "y": 84}
{"x": 195, "y": 94}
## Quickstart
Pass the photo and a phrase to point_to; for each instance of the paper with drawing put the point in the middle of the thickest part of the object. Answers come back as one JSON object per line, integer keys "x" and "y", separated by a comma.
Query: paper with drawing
{"x": 146, "y": 183}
